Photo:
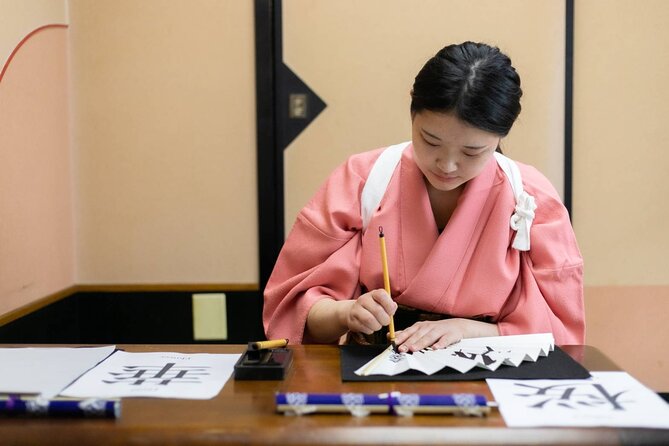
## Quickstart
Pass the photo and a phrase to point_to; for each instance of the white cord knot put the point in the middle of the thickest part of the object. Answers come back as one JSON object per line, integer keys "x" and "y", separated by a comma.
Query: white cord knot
{"x": 521, "y": 221}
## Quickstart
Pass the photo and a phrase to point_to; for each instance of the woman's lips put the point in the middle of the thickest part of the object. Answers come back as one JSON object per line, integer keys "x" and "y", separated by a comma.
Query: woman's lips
{"x": 445, "y": 178}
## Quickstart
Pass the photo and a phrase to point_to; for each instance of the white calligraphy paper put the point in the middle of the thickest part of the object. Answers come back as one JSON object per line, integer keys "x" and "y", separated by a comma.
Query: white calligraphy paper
{"x": 607, "y": 399}
{"x": 487, "y": 353}
{"x": 156, "y": 374}
{"x": 46, "y": 370}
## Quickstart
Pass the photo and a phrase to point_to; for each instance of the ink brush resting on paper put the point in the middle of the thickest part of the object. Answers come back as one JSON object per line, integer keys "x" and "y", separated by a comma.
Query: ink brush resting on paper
{"x": 386, "y": 285}
{"x": 395, "y": 403}
{"x": 15, "y": 406}
{"x": 264, "y": 360}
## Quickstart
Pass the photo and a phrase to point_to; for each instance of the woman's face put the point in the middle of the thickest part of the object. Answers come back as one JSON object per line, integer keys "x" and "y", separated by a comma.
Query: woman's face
{"x": 449, "y": 151}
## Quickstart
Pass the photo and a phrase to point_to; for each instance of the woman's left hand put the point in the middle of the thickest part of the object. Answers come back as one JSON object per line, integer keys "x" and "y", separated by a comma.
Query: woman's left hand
{"x": 441, "y": 334}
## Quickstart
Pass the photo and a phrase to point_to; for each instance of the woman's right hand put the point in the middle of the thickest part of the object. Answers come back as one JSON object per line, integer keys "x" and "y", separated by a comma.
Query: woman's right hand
{"x": 329, "y": 319}
{"x": 370, "y": 312}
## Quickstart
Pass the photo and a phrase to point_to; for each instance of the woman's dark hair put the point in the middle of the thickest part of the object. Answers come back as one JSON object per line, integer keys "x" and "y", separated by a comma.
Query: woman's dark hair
{"x": 473, "y": 80}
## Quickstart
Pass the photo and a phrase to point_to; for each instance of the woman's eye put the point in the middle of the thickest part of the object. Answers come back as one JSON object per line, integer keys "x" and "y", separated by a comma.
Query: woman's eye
{"x": 429, "y": 143}
{"x": 472, "y": 155}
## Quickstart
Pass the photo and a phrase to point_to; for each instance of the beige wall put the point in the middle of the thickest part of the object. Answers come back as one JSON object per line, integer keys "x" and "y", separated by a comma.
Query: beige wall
{"x": 621, "y": 155}
{"x": 164, "y": 135}
{"x": 36, "y": 211}
{"x": 155, "y": 182}
{"x": 18, "y": 18}
{"x": 621, "y": 102}
{"x": 628, "y": 323}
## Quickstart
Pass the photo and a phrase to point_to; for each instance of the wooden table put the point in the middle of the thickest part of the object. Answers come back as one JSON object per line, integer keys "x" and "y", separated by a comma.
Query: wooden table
{"x": 243, "y": 413}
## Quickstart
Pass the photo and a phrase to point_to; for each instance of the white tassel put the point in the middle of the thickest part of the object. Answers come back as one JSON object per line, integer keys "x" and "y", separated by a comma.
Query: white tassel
{"x": 521, "y": 221}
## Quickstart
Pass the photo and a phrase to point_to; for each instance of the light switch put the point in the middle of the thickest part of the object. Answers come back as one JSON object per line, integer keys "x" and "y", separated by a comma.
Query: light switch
{"x": 210, "y": 317}
{"x": 297, "y": 106}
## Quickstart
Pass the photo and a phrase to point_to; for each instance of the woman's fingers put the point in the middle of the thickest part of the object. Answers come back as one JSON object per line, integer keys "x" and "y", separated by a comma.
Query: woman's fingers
{"x": 435, "y": 334}
{"x": 363, "y": 320}
{"x": 417, "y": 337}
{"x": 384, "y": 300}
{"x": 371, "y": 312}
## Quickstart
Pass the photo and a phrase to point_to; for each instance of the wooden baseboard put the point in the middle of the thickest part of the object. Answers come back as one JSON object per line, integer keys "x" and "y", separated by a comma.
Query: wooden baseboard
{"x": 130, "y": 314}
{"x": 168, "y": 287}
{"x": 121, "y": 288}
{"x": 36, "y": 305}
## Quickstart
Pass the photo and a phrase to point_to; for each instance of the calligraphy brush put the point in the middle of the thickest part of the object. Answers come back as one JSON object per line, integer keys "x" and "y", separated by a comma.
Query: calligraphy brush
{"x": 386, "y": 285}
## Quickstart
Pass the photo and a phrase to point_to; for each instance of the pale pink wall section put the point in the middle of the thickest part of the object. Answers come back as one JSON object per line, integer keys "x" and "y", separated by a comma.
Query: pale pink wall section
{"x": 629, "y": 324}
{"x": 36, "y": 209}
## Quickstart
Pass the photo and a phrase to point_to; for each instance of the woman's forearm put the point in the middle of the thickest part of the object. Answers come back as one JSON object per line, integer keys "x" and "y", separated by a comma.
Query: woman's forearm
{"x": 327, "y": 318}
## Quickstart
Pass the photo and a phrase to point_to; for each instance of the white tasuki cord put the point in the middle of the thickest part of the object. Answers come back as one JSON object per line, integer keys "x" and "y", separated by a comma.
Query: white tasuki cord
{"x": 522, "y": 218}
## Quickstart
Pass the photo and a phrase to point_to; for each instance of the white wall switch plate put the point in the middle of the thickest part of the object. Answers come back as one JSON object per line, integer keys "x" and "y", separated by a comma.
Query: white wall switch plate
{"x": 210, "y": 318}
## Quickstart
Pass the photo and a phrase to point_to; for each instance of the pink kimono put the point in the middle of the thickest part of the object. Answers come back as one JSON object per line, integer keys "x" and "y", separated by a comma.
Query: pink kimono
{"x": 469, "y": 270}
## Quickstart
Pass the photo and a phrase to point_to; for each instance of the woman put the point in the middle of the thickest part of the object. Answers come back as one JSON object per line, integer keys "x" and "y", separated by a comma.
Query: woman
{"x": 454, "y": 270}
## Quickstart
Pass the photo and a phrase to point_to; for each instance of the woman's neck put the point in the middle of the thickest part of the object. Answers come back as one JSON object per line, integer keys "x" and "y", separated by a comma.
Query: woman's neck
{"x": 443, "y": 204}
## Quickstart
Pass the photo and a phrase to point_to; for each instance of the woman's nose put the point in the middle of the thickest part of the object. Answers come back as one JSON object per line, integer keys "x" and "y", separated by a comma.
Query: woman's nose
{"x": 447, "y": 164}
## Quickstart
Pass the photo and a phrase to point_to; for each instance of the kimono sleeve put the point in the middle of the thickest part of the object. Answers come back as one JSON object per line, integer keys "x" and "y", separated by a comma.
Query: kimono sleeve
{"x": 548, "y": 296}
{"x": 321, "y": 256}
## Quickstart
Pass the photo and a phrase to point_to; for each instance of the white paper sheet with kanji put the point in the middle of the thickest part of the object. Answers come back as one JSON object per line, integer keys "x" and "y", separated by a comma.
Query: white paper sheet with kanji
{"x": 156, "y": 374}
{"x": 487, "y": 353}
{"x": 607, "y": 399}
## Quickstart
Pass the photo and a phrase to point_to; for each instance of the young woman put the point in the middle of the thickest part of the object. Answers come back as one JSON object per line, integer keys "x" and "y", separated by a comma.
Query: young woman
{"x": 478, "y": 245}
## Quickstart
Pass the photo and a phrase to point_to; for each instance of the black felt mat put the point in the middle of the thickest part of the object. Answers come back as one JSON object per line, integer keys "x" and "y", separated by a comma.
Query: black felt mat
{"x": 557, "y": 365}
